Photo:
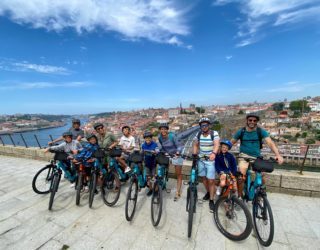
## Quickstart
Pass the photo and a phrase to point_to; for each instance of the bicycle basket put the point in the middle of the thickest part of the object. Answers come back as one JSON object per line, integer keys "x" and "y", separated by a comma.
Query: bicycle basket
{"x": 60, "y": 156}
{"x": 99, "y": 154}
{"x": 261, "y": 165}
{"x": 162, "y": 159}
{"x": 136, "y": 157}
{"x": 115, "y": 152}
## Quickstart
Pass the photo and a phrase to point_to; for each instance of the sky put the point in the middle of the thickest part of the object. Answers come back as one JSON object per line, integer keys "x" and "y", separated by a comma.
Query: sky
{"x": 90, "y": 56}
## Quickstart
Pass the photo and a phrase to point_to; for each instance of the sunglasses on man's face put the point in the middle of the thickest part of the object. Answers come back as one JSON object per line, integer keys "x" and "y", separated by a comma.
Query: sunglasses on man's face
{"x": 252, "y": 120}
{"x": 204, "y": 126}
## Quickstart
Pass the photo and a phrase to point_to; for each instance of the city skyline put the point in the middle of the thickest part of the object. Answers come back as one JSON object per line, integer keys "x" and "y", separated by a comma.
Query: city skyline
{"x": 90, "y": 57}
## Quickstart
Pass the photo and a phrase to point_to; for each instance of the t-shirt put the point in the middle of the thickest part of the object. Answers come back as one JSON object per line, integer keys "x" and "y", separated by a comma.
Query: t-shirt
{"x": 67, "y": 147}
{"x": 250, "y": 144}
{"x": 76, "y": 133}
{"x": 107, "y": 140}
{"x": 150, "y": 159}
{"x": 206, "y": 143}
{"x": 127, "y": 142}
{"x": 170, "y": 146}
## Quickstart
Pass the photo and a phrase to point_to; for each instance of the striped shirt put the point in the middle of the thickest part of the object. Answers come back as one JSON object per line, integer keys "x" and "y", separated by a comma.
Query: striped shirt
{"x": 206, "y": 144}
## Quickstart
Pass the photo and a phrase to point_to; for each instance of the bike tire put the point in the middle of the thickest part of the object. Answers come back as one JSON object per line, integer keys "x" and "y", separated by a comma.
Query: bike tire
{"x": 53, "y": 190}
{"x": 79, "y": 188}
{"x": 191, "y": 209}
{"x": 156, "y": 201}
{"x": 92, "y": 188}
{"x": 133, "y": 190}
{"x": 48, "y": 178}
{"x": 217, "y": 213}
{"x": 255, "y": 207}
{"x": 105, "y": 190}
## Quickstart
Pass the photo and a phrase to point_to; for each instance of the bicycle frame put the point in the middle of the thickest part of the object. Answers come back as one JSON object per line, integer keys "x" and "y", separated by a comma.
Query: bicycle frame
{"x": 113, "y": 164}
{"x": 251, "y": 186}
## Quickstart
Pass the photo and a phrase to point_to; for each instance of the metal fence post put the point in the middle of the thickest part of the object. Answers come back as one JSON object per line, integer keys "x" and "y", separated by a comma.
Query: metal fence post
{"x": 12, "y": 140}
{"x": 35, "y": 136}
{"x": 24, "y": 141}
{"x": 304, "y": 159}
{"x": 51, "y": 138}
{"x": 2, "y": 141}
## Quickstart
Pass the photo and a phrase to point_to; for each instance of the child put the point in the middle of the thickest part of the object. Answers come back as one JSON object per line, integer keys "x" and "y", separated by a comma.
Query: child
{"x": 225, "y": 163}
{"x": 71, "y": 147}
{"x": 127, "y": 144}
{"x": 149, "y": 148}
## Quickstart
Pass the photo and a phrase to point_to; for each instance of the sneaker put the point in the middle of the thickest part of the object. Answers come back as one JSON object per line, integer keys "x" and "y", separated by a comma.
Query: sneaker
{"x": 86, "y": 189}
{"x": 206, "y": 197}
{"x": 218, "y": 192}
{"x": 72, "y": 185}
{"x": 127, "y": 170}
{"x": 211, "y": 206}
{"x": 150, "y": 192}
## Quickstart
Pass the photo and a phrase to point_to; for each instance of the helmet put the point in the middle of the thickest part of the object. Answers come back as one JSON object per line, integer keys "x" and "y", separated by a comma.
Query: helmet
{"x": 164, "y": 125}
{"x": 204, "y": 119}
{"x": 97, "y": 125}
{"x": 147, "y": 134}
{"x": 226, "y": 142}
{"x": 75, "y": 121}
{"x": 126, "y": 126}
{"x": 91, "y": 136}
{"x": 65, "y": 134}
{"x": 253, "y": 115}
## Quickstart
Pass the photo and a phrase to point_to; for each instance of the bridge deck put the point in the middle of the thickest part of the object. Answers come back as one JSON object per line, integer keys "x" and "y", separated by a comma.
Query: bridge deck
{"x": 25, "y": 222}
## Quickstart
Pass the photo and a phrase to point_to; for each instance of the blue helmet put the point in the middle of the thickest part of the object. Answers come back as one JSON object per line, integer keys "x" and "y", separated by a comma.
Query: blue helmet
{"x": 226, "y": 142}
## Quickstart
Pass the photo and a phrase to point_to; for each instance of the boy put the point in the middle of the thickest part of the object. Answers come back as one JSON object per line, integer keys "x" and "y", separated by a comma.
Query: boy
{"x": 127, "y": 144}
{"x": 149, "y": 148}
{"x": 225, "y": 163}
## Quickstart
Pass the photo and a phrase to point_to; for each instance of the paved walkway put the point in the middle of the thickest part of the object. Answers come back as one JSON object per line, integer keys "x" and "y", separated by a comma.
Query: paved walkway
{"x": 26, "y": 223}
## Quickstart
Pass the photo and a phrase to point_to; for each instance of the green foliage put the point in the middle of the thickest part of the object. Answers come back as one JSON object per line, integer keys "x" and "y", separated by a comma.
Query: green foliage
{"x": 216, "y": 126}
{"x": 318, "y": 137}
{"x": 300, "y": 105}
{"x": 297, "y": 135}
{"x": 240, "y": 112}
{"x": 310, "y": 141}
{"x": 287, "y": 137}
{"x": 304, "y": 134}
{"x": 200, "y": 110}
{"x": 278, "y": 106}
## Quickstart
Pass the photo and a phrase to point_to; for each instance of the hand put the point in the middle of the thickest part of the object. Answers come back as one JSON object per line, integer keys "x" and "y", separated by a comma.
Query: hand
{"x": 70, "y": 157}
{"x": 74, "y": 152}
{"x": 212, "y": 157}
{"x": 46, "y": 150}
{"x": 50, "y": 143}
{"x": 91, "y": 160}
{"x": 279, "y": 159}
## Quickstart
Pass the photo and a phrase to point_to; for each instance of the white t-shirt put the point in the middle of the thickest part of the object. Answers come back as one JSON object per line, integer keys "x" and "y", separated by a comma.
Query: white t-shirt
{"x": 127, "y": 142}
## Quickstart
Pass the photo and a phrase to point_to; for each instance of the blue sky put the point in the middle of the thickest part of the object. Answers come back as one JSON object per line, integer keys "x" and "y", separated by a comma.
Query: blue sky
{"x": 93, "y": 56}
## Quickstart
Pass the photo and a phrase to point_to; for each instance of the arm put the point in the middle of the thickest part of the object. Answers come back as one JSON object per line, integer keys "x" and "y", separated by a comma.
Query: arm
{"x": 274, "y": 149}
{"x": 233, "y": 165}
{"x": 195, "y": 146}
{"x": 216, "y": 145}
{"x": 56, "y": 140}
{"x": 59, "y": 147}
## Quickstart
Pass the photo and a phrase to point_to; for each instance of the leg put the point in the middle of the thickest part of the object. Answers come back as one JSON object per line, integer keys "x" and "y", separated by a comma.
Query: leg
{"x": 122, "y": 163}
{"x": 179, "y": 178}
{"x": 243, "y": 167}
{"x": 223, "y": 178}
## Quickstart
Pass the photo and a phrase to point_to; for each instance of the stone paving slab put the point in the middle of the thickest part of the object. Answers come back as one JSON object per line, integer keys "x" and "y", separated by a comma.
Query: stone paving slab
{"x": 26, "y": 223}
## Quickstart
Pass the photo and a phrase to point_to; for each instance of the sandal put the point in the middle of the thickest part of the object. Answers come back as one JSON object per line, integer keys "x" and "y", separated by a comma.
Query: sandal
{"x": 177, "y": 196}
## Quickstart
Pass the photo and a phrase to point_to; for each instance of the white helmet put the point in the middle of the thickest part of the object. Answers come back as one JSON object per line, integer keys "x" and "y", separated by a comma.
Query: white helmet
{"x": 204, "y": 119}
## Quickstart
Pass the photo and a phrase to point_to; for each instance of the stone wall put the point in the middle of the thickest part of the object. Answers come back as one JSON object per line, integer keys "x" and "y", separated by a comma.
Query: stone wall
{"x": 280, "y": 181}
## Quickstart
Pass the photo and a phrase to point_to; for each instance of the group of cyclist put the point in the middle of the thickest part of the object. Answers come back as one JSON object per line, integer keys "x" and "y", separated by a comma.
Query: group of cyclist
{"x": 218, "y": 161}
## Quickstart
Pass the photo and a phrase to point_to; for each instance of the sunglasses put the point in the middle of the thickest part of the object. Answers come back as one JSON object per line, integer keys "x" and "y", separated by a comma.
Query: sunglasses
{"x": 99, "y": 128}
{"x": 204, "y": 125}
{"x": 252, "y": 120}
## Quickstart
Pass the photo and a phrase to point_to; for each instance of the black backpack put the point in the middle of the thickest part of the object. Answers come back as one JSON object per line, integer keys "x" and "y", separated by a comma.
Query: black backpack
{"x": 200, "y": 132}
{"x": 259, "y": 132}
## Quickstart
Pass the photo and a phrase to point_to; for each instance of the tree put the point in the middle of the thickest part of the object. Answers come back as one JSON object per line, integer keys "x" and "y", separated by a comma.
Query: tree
{"x": 298, "y": 135}
{"x": 299, "y": 105}
{"x": 278, "y": 106}
{"x": 240, "y": 112}
{"x": 310, "y": 141}
{"x": 200, "y": 110}
{"x": 304, "y": 134}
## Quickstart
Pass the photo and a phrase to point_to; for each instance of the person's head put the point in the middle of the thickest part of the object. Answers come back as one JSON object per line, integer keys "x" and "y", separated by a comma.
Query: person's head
{"x": 67, "y": 136}
{"x": 204, "y": 124}
{"x": 252, "y": 120}
{"x": 126, "y": 130}
{"x": 147, "y": 136}
{"x": 92, "y": 139}
{"x": 76, "y": 123}
{"x": 225, "y": 146}
{"x": 99, "y": 127}
{"x": 164, "y": 129}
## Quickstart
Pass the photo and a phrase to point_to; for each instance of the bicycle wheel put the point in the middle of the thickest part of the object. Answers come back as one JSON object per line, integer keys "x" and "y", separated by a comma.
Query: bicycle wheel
{"x": 42, "y": 180}
{"x": 156, "y": 204}
{"x": 191, "y": 209}
{"x": 232, "y": 218}
{"x": 131, "y": 200}
{"x": 92, "y": 188}
{"x": 111, "y": 188}
{"x": 263, "y": 220}
{"x": 79, "y": 188}
{"x": 53, "y": 189}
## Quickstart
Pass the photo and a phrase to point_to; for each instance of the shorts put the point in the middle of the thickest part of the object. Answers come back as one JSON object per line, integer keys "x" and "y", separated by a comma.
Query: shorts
{"x": 242, "y": 163}
{"x": 207, "y": 169}
{"x": 177, "y": 161}
{"x": 150, "y": 171}
{"x": 125, "y": 156}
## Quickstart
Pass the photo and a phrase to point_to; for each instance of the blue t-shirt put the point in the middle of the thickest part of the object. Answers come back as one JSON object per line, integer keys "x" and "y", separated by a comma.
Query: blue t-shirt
{"x": 150, "y": 159}
{"x": 250, "y": 144}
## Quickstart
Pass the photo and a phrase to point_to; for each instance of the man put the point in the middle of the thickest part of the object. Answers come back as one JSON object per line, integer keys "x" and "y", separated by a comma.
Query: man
{"x": 127, "y": 144}
{"x": 251, "y": 138}
{"x": 105, "y": 140}
{"x": 170, "y": 144}
{"x": 77, "y": 132}
{"x": 206, "y": 143}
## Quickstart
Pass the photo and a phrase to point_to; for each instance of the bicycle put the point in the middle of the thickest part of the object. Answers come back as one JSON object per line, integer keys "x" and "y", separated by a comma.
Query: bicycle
{"x": 192, "y": 192}
{"x": 255, "y": 191}
{"x": 160, "y": 183}
{"x": 138, "y": 180}
{"x": 111, "y": 184}
{"x": 231, "y": 215}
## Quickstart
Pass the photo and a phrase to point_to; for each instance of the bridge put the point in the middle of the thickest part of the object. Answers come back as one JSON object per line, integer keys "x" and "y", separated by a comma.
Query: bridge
{"x": 26, "y": 223}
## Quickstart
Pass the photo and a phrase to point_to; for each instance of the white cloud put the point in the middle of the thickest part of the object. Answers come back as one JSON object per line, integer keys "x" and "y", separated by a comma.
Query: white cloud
{"x": 259, "y": 14}
{"x": 43, "y": 85}
{"x": 155, "y": 20}
{"x": 291, "y": 87}
{"x": 228, "y": 58}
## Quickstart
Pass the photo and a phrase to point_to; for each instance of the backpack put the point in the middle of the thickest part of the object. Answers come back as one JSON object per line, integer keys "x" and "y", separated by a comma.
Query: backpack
{"x": 211, "y": 135}
{"x": 171, "y": 138}
{"x": 259, "y": 132}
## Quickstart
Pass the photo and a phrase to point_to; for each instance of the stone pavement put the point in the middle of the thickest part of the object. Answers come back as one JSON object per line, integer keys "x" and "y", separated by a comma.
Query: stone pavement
{"x": 26, "y": 223}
